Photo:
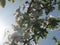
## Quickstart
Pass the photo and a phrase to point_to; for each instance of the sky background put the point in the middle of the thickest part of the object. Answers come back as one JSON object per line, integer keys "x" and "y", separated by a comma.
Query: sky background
{"x": 7, "y": 18}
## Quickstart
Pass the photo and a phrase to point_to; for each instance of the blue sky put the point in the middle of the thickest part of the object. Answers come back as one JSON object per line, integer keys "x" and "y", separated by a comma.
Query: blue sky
{"x": 7, "y": 18}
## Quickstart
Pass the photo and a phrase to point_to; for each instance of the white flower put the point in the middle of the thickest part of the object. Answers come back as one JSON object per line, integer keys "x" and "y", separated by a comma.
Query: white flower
{"x": 16, "y": 14}
{"x": 38, "y": 32}
{"x": 34, "y": 9}
{"x": 18, "y": 19}
{"x": 47, "y": 22}
{"x": 41, "y": 26}
{"x": 51, "y": 16}
{"x": 26, "y": 25}
{"x": 52, "y": 30}
{"x": 30, "y": 14}
{"x": 41, "y": 5}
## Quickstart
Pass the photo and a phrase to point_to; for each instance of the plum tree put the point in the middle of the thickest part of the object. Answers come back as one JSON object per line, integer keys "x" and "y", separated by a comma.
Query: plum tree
{"x": 29, "y": 25}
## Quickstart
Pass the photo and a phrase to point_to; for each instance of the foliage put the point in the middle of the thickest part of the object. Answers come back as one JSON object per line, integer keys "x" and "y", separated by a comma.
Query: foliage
{"x": 55, "y": 39}
{"x": 29, "y": 26}
{"x": 2, "y": 3}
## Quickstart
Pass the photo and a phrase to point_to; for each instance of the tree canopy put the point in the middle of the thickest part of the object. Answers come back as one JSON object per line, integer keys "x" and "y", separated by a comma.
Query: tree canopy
{"x": 29, "y": 25}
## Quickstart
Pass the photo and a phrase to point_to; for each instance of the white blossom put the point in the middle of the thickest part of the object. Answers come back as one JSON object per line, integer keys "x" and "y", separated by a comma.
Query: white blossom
{"x": 41, "y": 5}
{"x": 51, "y": 16}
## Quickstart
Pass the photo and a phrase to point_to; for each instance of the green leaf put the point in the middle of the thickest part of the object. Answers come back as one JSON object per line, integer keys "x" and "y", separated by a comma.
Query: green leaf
{"x": 45, "y": 0}
{"x": 2, "y": 3}
{"x": 52, "y": 23}
{"x": 58, "y": 19}
{"x": 38, "y": 37}
{"x": 11, "y": 1}
{"x": 59, "y": 5}
{"x": 55, "y": 1}
{"x": 21, "y": 0}
{"x": 47, "y": 12}
{"x": 40, "y": 13}
{"x": 58, "y": 42}
{"x": 32, "y": 30}
{"x": 49, "y": 9}
{"x": 26, "y": 2}
{"x": 55, "y": 39}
